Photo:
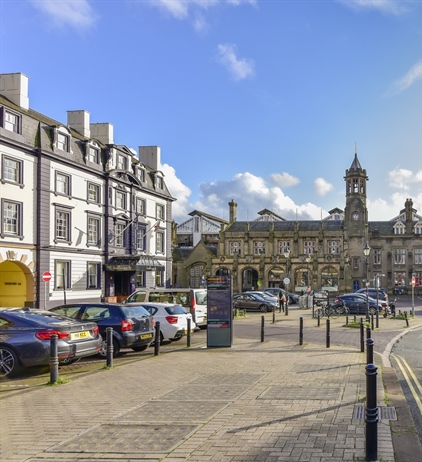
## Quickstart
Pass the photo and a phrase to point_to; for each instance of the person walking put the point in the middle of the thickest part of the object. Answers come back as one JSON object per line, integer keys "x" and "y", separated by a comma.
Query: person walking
{"x": 281, "y": 301}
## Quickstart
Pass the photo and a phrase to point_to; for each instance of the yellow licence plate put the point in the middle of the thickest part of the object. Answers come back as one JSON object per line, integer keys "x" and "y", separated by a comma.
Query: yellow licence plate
{"x": 146, "y": 336}
{"x": 77, "y": 335}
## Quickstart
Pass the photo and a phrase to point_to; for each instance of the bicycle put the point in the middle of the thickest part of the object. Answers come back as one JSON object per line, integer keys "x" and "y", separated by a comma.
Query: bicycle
{"x": 327, "y": 310}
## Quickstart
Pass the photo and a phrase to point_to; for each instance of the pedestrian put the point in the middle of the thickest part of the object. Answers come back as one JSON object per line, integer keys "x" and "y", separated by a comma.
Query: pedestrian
{"x": 281, "y": 301}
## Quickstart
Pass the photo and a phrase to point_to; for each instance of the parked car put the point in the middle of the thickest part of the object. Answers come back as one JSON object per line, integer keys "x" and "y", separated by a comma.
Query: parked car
{"x": 357, "y": 304}
{"x": 173, "y": 319}
{"x": 25, "y": 339}
{"x": 372, "y": 292}
{"x": 292, "y": 298}
{"x": 266, "y": 295}
{"x": 193, "y": 300}
{"x": 253, "y": 302}
{"x": 133, "y": 326}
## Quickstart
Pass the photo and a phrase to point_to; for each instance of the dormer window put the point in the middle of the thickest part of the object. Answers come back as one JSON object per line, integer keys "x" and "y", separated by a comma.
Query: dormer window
{"x": 141, "y": 174}
{"x": 121, "y": 162}
{"x": 12, "y": 121}
{"x": 160, "y": 182}
{"x": 399, "y": 228}
{"x": 418, "y": 228}
{"x": 94, "y": 154}
{"x": 62, "y": 139}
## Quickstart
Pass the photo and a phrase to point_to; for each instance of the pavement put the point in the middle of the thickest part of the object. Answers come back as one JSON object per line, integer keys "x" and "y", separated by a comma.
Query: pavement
{"x": 271, "y": 400}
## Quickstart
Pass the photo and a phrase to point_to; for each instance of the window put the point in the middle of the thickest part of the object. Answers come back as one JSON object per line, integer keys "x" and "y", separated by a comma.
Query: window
{"x": 399, "y": 228}
{"x": 160, "y": 182}
{"x": 159, "y": 242}
{"x": 417, "y": 256}
{"x": 334, "y": 247}
{"x": 399, "y": 256}
{"x": 12, "y": 170}
{"x": 12, "y": 121}
{"x": 62, "y": 184}
{"x": 235, "y": 248}
{"x": 141, "y": 238}
{"x": 159, "y": 278}
{"x": 377, "y": 256}
{"x": 418, "y": 227}
{"x": 141, "y": 174}
{"x": 12, "y": 217}
{"x": 63, "y": 142}
{"x": 259, "y": 247}
{"x": 309, "y": 247}
{"x": 121, "y": 162}
{"x": 62, "y": 225}
{"x": 160, "y": 212}
{"x": 120, "y": 231}
{"x": 93, "y": 155}
{"x": 141, "y": 206}
{"x": 120, "y": 200}
{"x": 94, "y": 193}
{"x": 93, "y": 273}
{"x": 93, "y": 231}
{"x": 283, "y": 246}
{"x": 62, "y": 274}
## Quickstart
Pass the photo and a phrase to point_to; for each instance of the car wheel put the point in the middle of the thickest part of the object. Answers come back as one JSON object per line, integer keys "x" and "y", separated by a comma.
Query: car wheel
{"x": 175, "y": 339}
{"x": 263, "y": 308}
{"x": 372, "y": 311}
{"x": 9, "y": 362}
{"x": 140, "y": 348}
{"x": 116, "y": 348}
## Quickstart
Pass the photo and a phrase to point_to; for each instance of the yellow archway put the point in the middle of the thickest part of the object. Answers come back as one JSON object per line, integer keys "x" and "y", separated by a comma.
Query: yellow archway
{"x": 16, "y": 285}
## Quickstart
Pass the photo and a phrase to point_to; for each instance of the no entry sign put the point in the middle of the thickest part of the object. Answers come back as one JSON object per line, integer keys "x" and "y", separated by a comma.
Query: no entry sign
{"x": 46, "y": 276}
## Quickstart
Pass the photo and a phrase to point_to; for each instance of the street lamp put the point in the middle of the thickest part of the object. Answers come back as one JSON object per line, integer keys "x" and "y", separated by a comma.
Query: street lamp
{"x": 366, "y": 252}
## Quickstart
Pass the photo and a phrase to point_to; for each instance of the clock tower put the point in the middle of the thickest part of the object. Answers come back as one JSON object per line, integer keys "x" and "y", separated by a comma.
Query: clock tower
{"x": 356, "y": 213}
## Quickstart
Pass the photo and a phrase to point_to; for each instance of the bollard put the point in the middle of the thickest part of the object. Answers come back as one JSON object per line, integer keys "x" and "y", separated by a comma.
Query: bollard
{"x": 157, "y": 339}
{"x": 274, "y": 316}
{"x": 354, "y": 318}
{"x": 369, "y": 351}
{"x": 362, "y": 340}
{"x": 372, "y": 321}
{"x": 407, "y": 320}
{"x": 347, "y": 320}
{"x": 109, "y": 347}
{"x": 286, "y": 309}
{"x": 377, "y": 322}
{"x": 328, "y": 334}
{"x": 301, "y": 331}
{"x": 188, "y": 333}
{"x": 54, "y": 359}
{"x": 368, "y": 332}
{"x": 371, "y": 414}
{"x": 262, "y": 328}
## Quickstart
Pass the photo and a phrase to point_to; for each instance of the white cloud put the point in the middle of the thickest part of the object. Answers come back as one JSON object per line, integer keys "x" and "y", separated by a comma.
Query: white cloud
{"x": 385, "y": 6}
{"x": 239, "y": 68}
{"x": 75, "y": 13}
{"x": 284, "y": 180}
{"x": 413, "y": 75}
{"x": 402, "y": 178}
{"x": 322, "y": 187}
{"x": 179, "y": 191}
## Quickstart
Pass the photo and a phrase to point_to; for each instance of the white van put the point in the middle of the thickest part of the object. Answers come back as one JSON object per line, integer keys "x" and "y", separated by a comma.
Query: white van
{"x": 193, "y": 300}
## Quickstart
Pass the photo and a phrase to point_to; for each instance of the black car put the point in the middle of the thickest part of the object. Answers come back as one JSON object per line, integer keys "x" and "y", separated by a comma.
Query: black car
{"x": 372, "y": 292}
{"x": 356, "y": 303}
{"x": 253, "y": 302}
{"x": 292, "y": 298}
{"x": 133, "y": 326}
{"x": 25, "y": 339}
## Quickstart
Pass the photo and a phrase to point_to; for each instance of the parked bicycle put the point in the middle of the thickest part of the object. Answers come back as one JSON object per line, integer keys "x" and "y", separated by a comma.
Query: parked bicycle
{"x": 327, "y": 310}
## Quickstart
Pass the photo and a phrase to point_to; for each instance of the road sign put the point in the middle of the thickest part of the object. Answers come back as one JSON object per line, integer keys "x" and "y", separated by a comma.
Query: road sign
{"x": 46, "y": 276}
{"x": 413, "y": 281}
{"x": 286, "y": 281}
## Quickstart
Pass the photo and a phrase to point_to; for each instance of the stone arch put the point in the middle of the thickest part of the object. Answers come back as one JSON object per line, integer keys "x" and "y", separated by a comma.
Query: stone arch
{"x": 249, "y": 279}
{"x": 16, "y": 284}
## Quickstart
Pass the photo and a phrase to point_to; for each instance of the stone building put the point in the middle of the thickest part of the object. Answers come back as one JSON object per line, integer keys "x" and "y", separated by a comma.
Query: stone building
{"x": 83, "y": 218}
{"x": 328, "y": 254}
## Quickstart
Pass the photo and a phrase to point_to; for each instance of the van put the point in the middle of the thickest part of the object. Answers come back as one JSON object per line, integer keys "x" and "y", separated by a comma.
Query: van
{"x": 193, "y": 300}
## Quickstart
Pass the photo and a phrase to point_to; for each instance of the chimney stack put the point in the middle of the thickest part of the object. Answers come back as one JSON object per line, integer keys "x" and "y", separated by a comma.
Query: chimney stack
{"x": 232, "y": 208}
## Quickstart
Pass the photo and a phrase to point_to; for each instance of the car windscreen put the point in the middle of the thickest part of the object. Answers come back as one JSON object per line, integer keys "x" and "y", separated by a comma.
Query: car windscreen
{"x": 176, "y": 309}
{"x": 136, "y": 311}
{"x": 42, "y": 318}
{"x": 201, "y": 297}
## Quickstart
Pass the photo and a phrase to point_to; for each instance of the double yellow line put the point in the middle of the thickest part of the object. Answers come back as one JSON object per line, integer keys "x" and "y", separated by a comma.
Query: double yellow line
{"x": 413, "y": 383}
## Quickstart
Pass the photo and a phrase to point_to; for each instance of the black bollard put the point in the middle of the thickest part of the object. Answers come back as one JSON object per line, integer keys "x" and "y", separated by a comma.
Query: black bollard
{"x": 319, "y": 320}
{"x": 157, "y": 339}
{"x": 407, "y": 320}
{"x": 347, "y": 320}
{"x": 328, "y": 334}
{"x": 109, "y": 347}
{"x": 301, "y": 331}
{"x": 274, "y": 316}
{"x": 354, "y": 318}
{"x": 362, "y": 339}
{"x": 377, "y": 322}
{"x": 368, "y": 332}
{"x": 369, "y": 351}
{"x": 188, "y": 333}
{"x": 372, "y": 321}
{"x": 286, "y": 308}
{"x": 262, "y": 328}
{"x": 371, "y": 414}
{"x": 54, "y": 359}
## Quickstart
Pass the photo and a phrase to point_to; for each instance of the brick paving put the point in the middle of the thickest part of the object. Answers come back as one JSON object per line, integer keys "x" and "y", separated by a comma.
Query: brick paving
{"x": 256, "y": 401}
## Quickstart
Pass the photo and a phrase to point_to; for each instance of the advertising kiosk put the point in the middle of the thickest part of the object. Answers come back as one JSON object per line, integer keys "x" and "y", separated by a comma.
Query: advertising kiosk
{"x": 220, "y": 311}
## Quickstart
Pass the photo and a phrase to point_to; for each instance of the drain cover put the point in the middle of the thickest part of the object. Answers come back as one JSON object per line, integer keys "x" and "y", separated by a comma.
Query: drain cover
{"x": 303, "y": 393}
{"x": 384, "y": 413}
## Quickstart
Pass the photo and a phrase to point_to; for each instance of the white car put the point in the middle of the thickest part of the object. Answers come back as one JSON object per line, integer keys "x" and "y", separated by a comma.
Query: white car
{"x": 173, "y": 319}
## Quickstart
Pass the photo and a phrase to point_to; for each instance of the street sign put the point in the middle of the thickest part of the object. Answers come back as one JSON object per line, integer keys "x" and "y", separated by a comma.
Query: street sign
{"x": 286, "y": 281}
{"x": 46, "y": 276}
{"x": 413, "y": 281}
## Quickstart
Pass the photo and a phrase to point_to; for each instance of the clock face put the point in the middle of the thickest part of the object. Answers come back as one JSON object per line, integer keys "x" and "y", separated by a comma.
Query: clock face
{"x": 355, "y": 216}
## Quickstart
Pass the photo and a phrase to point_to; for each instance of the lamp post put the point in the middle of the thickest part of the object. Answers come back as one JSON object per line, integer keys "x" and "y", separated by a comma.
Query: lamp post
{"x": 286, "y": 255}
{"x": 366, "y": 252}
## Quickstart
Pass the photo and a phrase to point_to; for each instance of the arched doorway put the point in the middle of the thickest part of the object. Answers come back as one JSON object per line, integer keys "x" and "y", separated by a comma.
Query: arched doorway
{"x": 275, "y": 277}
{"x": 16, "y": 285}
{"x": 249, "y": 279}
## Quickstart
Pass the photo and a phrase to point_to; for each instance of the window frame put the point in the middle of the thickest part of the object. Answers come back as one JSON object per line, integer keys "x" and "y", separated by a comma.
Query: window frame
{"x": 141, "y": 238}
{"x": 59, "y": 276}
{"x": 160, "y": 211}
{"x": 66, "y": 212}
{"x": 121, "y": 162}
{"x": 259, "y": 247}
{"x": 16, "y": 127}
{"x": 89, "y": 241}
{"x": 98, "y": 192}
{"x": 96, "y": 273}
{"x": 67, "y": 184}
{"x": 141, "y": 206}
{"x": 19, "y": 218}
{"x": 119, "y": 233}
{"x": 120, "y": 204}
{"x": 159, "y": 242}
{"x": 19, "y": 170}
{"x": 95, "y": 159}
{"x": 63, "y": 144}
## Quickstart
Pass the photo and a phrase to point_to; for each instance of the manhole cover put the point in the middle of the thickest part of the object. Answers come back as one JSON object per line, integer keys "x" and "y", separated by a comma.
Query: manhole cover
{"x": 125, "y": 438}
{"x": 217, "y": 379}
{"x": 384, "y": 413}
{"x": 302, "y": 393}
{"x": 176, "y": 411}
{"x": 204, "y": 392}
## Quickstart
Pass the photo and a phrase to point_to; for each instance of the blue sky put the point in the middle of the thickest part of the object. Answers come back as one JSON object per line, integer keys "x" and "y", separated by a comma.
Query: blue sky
{"x": 258, "y": 101}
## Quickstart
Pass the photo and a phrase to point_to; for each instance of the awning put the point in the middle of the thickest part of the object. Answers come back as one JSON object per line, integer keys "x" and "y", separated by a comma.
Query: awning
{"x": 126, "y": 263}
{"x": 148, "y": 263}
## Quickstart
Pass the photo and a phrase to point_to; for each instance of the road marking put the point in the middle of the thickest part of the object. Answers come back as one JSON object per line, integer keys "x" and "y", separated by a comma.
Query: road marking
{"x": 403, "y": 367}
